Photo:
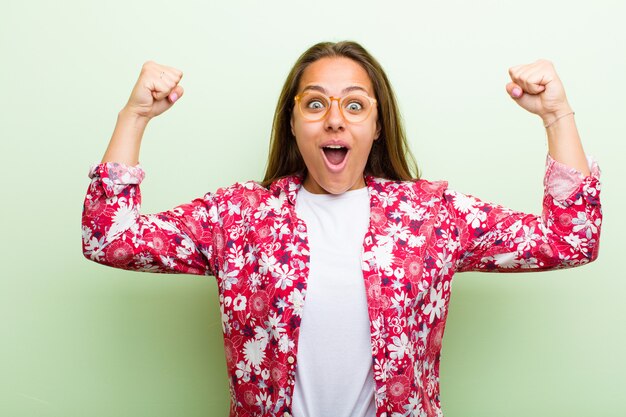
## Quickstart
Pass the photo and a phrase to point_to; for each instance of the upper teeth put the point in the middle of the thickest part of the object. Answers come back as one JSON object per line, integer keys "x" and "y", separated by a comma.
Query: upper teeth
{"x": 334, "y": 146}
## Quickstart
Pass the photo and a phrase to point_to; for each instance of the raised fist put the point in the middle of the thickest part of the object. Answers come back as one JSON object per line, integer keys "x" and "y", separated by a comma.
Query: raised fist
{"x": 156, "y": 90}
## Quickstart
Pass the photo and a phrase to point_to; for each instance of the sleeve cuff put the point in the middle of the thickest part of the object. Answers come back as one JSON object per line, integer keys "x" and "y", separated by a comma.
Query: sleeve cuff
{"x": 116, "y": 176}
{"x": 561, "y": 181}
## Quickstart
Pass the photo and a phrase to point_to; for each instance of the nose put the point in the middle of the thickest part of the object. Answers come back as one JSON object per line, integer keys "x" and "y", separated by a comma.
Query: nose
{"x": 334, "y": 119}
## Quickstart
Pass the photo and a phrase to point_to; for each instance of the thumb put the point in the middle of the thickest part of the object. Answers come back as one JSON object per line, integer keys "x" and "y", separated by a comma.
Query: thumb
{"x": 175, "y": 94}
{"x": 166, "y": 102}
{"x": 527, "y": 101}
{"x": 514, "y": 90}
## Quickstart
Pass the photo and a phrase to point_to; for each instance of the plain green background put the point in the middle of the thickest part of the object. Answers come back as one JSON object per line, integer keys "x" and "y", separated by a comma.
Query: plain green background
{"x": 81, "y": 340}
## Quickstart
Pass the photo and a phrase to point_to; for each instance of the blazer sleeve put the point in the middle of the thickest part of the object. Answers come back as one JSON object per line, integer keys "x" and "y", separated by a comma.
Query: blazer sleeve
{"x": 492, "y": 238}
{"x": 114, "y": 233}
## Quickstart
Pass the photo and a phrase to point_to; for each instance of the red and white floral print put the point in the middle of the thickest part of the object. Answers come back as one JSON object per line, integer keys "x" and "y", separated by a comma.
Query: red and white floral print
{"x": 399, "y": 388}
{"x": 420, "y": 234}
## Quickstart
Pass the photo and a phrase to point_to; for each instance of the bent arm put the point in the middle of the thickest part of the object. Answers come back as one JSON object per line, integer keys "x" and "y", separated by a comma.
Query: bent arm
{"x": 493, "y": 238}
{"x": 564, "y": 144}
{"x": 125, "y": 142}
{"x": 116, "y": 234}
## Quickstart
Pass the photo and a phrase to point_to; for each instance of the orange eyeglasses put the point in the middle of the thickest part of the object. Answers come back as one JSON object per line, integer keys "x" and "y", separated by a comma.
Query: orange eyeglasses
{"x": 354, "y": 107}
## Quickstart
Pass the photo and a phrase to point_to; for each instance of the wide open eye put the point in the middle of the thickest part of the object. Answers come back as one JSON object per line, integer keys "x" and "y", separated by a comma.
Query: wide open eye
{"x": 355, "y": 104}
{"x": 315, "y": 104}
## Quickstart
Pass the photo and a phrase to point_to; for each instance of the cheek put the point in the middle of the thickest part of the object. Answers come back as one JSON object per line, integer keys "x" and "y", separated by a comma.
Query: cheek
{"x": 365, "y": 131}
{"x": 374, "y": 129}
{"x": 365, "y": 135}
{"x": 306, "y": 133}
{"x": 305, "y": 139}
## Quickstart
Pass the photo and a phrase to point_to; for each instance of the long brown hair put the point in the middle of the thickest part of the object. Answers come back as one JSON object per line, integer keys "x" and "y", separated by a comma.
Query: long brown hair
{"x": 390, "y": 156}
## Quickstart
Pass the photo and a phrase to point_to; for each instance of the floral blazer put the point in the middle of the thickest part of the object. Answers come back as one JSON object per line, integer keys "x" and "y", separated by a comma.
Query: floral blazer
{"x": 420, "y": 234}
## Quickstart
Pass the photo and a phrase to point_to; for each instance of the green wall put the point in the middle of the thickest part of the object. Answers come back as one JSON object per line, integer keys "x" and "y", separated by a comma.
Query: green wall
{"x": 79, "y": 339}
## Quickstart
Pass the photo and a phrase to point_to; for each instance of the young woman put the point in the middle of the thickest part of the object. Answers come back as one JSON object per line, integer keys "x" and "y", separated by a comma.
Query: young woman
{"x": 334, "y": 272}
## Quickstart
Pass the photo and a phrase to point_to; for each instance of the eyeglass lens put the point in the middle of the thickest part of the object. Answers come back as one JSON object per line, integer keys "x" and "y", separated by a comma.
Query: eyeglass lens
{"x": 354, "y": 107}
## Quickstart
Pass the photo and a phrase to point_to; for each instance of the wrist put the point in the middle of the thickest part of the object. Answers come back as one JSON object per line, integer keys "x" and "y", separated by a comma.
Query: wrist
{"x": 128, "y": 116}
{"x": 551, "y": 117}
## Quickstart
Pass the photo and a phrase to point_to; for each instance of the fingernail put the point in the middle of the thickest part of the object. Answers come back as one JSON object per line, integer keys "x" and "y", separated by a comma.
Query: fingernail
{"x": 517, "y": 92}
{"x": 174, "y": 97}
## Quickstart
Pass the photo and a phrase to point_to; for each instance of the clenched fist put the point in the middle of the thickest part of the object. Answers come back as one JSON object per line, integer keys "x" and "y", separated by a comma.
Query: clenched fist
{"x": 156, "y": 90}
{"x": 537, "y": 88}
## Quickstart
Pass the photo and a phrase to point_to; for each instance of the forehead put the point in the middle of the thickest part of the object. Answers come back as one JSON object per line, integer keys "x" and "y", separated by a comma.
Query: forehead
{"x": 335, "y": 74}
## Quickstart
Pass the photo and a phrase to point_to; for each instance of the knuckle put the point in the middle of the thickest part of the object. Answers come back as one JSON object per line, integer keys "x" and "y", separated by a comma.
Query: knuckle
{"x": 546, "y": 62}
{"x": 514, "y": 72}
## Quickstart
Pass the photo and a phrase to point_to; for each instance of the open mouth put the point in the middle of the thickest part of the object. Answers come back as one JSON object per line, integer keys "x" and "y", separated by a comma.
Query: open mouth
{"x": 335, "y": 154}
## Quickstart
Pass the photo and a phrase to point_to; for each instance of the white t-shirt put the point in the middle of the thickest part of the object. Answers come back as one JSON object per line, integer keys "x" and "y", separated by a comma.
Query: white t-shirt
{"x": 334, "y": 373}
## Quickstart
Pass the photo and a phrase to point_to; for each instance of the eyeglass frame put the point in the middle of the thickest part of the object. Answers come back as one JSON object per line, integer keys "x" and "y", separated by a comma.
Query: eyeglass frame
{"x": 372, "y": 101}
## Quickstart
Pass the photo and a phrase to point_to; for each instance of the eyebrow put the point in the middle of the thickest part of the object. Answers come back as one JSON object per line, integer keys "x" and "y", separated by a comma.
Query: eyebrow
{"x": 345, "y": 90}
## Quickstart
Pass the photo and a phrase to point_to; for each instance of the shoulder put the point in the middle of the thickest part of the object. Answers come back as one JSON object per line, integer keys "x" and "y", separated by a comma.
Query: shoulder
{"x": 247, "y": 198}
{"x": 252, "y": 192}
{"x": 241, "y": 187}
{"x": 418, "y": 188}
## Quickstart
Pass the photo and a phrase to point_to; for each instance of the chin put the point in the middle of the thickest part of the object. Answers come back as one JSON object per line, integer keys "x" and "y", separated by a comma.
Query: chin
{"x": 338, "y": 187}
{"x": 336, "y": 190}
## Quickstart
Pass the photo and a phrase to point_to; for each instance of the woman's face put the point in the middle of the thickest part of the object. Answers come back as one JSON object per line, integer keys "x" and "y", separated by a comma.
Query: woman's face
{"x": 330, "y": 170}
